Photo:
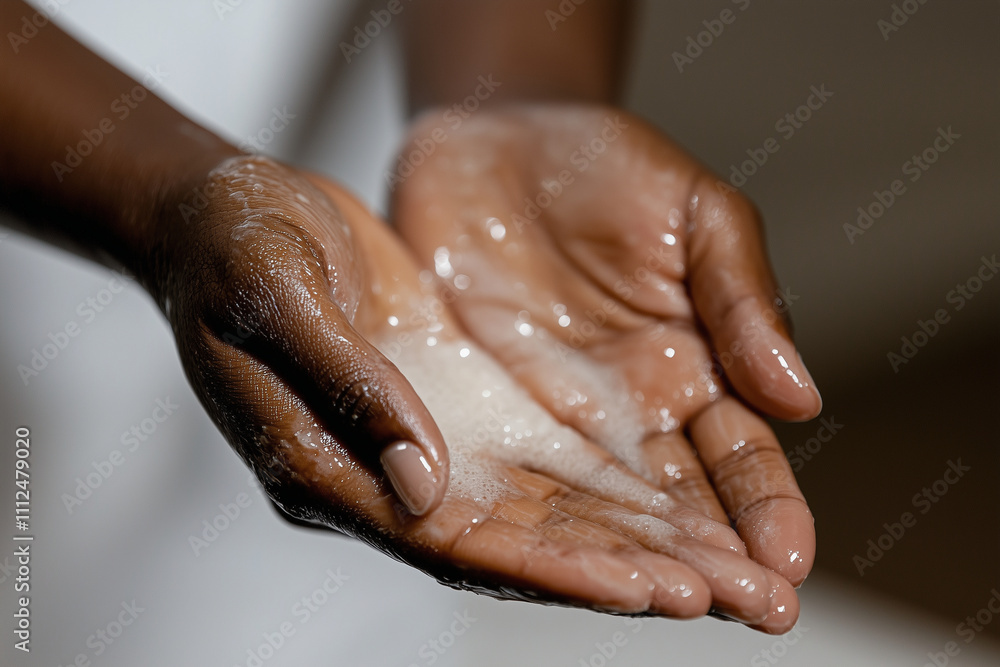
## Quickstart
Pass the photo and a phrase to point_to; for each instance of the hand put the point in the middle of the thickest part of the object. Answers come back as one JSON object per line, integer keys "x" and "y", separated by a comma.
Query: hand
{"x": 258, "y": 271}
{"x": 280, "y": 292}
{"x": 536, "y": 502}
{"x": 604, "y": 267}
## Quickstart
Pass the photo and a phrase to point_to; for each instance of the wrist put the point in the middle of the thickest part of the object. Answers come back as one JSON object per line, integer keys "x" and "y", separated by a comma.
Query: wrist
{"x": 170, "y": 201}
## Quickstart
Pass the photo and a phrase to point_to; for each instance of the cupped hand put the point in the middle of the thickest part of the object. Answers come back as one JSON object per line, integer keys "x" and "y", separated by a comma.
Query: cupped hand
{"x": 290, "y": 303}
{"x": 625, "y": 287}
{"x": 260, "y": 275}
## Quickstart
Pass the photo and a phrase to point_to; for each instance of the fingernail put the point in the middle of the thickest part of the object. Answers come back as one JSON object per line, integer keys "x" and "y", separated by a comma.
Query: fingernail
{"x": 799, "y": 367}
{"x": 789, "y": 363}
{"x": 411, "y": 475}
{"x": 808, "y": 379}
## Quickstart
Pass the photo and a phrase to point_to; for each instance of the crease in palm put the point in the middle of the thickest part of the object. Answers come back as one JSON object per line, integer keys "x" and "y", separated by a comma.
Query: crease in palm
{"x": 576, "y": 281}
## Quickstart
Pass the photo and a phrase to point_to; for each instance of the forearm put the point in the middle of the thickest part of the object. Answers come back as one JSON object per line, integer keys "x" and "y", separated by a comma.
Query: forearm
{"x": 533, "y": 50}
{"x": 86, "y": 152}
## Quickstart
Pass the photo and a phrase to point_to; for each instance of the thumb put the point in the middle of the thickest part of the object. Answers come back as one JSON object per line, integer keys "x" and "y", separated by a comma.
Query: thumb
{"x": 361, "y": 398}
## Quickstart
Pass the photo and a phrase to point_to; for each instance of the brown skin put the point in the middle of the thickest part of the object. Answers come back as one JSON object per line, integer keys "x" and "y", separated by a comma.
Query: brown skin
{"x": 140, "y": 199}
{"x": 547, "y": 539}
{"x": 710, "y": 290}
{"x": 266, "y": 276}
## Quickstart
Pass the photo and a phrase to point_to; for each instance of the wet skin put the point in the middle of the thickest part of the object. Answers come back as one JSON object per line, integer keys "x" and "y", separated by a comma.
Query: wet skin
{"x": 279, "y": 288}
{"x": 603, "y": 267}
{"x": 278, "y": 292}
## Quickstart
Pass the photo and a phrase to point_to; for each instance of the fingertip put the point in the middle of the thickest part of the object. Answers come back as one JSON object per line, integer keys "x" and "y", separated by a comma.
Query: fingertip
{"x": 772, "y": 376}
{"x": 762, "y": 363}
{"x": 784, "y": 609}
{"x": 688, "y": 598}
{"x": 617, "y": 584}
{"x": 679, "y": 590}
{"x": 417, "y": 477}
{"x": 781, "y": 536}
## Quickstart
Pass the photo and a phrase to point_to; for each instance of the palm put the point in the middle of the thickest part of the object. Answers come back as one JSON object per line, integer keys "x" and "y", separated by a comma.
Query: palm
{"x": 277, "y": 298}
{"x": 566, "y": 239}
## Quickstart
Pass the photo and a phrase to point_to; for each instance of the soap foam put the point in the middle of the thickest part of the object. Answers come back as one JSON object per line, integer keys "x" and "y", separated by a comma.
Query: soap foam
{"x": 487, "y": 418}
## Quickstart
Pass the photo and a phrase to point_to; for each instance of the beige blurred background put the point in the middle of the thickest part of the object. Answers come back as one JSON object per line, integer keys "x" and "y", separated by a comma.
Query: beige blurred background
{"x": 232, "y": 69}
{"x": 941, "y": 68}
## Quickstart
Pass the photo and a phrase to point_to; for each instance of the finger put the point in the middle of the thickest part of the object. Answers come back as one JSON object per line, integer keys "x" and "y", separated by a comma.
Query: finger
{"x": 735, "y": 295}
{"x": 552, "y": 509}
{"x": 531, "y": 551}
{"x": 283, "y": 298}
{"x": 597, "y": 473}
{"x": 675, "y": 468}
{"x": 738, "y": 585}
{"x": 757, "y": 487}
{"x": 784, "y": 610}
{"x": 304, "y": 469}
{"x": 510, "y": 554}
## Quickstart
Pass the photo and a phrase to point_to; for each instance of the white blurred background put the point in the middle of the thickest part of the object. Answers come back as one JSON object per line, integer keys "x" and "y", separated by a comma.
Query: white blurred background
{"x": 231, "y": 64}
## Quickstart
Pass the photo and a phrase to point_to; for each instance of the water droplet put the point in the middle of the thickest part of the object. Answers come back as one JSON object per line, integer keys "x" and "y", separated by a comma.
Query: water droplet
{"x": 442, "y": 262}
{"x": 497, "y": 229}
{"x": 784, "y": 364}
